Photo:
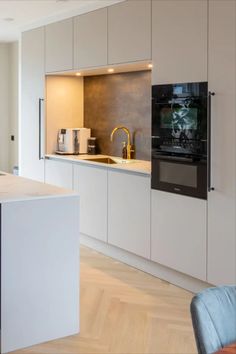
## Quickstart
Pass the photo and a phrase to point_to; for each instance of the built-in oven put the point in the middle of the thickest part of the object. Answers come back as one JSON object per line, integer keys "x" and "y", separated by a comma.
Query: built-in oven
{"x": 182, "y": 175}
{"x": 180, "y": 138}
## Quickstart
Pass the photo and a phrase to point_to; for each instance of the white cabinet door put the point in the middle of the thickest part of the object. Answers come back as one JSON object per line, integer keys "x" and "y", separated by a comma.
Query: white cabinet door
{"x": 90, "y": 39}
{"x": 178, "y": 233}
{"x": 32, "y": 90}
{"x": 129, "y": 212}
{"x": 91, "y": 184}
{"x": 59, "y": 173}
{"x": 179, "y": 41}
{"x": 59, "y": 46}
{"x": 129, "y": 31}
{"x": 221, "y": 201}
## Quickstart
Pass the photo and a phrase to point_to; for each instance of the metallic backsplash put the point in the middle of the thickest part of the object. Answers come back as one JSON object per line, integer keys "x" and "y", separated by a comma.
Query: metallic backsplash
{"x": 119, "y": 99}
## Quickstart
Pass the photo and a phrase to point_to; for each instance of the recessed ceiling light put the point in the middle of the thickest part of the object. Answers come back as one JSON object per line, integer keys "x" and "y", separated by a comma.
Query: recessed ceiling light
{"x": 8, "y": 19}
{"x": 110, "y": 70}
{"x": 78, "y": 74}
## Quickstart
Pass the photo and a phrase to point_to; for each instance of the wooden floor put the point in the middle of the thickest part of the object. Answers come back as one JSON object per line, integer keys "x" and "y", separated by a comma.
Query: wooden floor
{"x": 125, "y": 311}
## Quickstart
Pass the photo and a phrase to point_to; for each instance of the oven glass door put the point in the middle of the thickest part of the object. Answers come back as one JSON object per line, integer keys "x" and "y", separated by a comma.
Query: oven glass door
{"x": 179, "y": 118}
{"x": 184, "y": 176}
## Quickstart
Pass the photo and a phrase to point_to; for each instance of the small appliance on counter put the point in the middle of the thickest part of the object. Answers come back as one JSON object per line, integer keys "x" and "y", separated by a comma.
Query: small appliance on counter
{"x": 92, "y": 146}
{"x": 72, "y": 141}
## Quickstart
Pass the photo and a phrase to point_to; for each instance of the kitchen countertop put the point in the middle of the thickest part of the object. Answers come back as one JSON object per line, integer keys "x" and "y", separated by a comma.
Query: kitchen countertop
{"x": 137, "y": 166}
{"x": 14, "y": 188}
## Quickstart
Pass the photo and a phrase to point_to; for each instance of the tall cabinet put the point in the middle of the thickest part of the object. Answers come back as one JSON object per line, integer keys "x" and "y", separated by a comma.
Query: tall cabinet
{"x": 32, "y": 93}
{"x": 222, "y": 200}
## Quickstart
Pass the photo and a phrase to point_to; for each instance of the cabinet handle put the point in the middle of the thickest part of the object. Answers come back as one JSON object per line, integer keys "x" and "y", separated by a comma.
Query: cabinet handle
{"x": 41, "y": 156}
{"x": 210, "y": 188}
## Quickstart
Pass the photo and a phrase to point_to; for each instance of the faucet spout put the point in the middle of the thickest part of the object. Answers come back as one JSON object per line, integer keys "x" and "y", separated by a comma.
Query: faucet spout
{"x": 126, "y": 130}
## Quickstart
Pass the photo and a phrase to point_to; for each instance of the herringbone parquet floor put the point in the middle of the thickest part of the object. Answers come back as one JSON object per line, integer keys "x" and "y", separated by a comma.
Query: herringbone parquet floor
{"x": 125, "y": 311}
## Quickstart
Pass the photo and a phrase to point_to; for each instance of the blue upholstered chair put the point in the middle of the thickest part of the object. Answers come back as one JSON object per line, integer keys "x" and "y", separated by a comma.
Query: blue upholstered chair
{"x": 213, "y": 314}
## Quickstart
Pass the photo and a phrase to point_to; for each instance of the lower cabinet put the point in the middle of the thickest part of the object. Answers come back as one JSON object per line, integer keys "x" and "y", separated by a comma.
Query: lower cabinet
{"x": 119, "y": 208}
{"x": 178, "y": 233}
{"x": 129, "y": 212}
{"x": 59, "y": 173}
{"x": 91, "y": 184}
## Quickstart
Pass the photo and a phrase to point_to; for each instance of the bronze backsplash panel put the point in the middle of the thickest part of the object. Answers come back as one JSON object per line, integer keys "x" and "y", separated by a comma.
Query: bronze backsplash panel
{"x": 119, "y": 99}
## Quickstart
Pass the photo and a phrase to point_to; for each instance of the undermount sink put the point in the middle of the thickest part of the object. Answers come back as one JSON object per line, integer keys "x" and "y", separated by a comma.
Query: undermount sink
{"x": 2, "y": 174}
{"x": 109, "y": 160}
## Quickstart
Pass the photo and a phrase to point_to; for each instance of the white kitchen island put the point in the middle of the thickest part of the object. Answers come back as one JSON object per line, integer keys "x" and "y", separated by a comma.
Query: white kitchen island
{"x": 39, "y": 262}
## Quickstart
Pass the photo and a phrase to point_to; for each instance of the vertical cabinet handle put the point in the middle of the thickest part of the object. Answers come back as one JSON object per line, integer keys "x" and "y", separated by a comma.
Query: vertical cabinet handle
{"x": 210, "y": 188}
{"x": 41, "y": 155}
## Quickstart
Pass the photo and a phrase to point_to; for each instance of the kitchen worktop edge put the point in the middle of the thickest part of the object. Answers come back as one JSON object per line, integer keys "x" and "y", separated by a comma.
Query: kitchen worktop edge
{"x": 136, "y": 166}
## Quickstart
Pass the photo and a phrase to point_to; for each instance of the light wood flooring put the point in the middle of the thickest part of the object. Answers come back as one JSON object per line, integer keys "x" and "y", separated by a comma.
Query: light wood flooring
{"x": 125, "y": 311}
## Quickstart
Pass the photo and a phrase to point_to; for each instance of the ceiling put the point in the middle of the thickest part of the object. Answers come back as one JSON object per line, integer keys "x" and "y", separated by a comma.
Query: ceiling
{"x": 20, "y": 15}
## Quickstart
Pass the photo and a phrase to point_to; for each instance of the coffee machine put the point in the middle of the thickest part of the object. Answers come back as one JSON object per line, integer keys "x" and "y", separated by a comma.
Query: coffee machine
{"x": 72, "y": 141}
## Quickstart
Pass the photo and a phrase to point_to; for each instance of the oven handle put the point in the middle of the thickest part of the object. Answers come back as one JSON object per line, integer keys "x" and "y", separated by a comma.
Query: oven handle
{"x": 173, "y": 158}
{"x": 209, "y": 187}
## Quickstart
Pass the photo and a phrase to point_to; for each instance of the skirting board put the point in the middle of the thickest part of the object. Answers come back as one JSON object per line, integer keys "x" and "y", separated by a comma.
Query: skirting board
{"x": 179, "y": 279}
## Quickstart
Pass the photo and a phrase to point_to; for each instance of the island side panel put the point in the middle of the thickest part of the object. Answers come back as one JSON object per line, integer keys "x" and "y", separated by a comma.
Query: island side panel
{"x": 40, "y": 271}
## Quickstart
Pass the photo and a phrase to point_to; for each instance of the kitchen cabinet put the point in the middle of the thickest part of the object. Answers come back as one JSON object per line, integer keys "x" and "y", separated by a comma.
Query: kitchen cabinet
{"x": 129, "y": 212}
{"x": 222, "y": 200}
{"x": 32, "y": 93}
{"x": 59, "y": 46}
{"x": 179, "y": 41}
{"x": 91, "y": 184}
{"x": 90, "y": 39}
{"x": 178, "y": 232}
{"x": 129, "y": 31}
{"x": 59, "y": 173}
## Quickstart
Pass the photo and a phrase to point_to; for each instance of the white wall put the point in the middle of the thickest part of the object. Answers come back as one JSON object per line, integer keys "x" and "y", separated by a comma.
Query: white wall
{"x": 8, "y": 105}
{"x": 64, "y": 106}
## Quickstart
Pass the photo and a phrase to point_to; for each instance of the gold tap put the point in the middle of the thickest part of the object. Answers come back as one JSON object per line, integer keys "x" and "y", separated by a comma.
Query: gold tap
{"x": 129, "y": 146}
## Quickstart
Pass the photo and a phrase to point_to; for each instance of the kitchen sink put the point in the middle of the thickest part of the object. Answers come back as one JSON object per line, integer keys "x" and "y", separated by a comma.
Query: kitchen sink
{"x": 2, "y": 174}
{"x": 109, "y": 160}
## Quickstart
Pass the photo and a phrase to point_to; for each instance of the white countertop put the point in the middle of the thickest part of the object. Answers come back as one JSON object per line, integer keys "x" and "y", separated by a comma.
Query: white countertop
{"x": 14, "y": 188}
{"x": 138, "y": 166}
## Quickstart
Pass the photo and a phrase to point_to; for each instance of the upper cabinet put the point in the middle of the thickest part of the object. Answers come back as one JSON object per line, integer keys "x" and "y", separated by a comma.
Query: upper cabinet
{"x": 90, "y": 39}
{"x": 222, "y": 200}
{"x": 179, "y": 41}
{"x": 129, "y": 31}
{"x": 59, "y": 46}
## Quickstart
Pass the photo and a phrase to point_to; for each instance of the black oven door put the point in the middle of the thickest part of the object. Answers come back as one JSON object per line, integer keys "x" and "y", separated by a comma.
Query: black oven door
{"x": 181, "y": 175}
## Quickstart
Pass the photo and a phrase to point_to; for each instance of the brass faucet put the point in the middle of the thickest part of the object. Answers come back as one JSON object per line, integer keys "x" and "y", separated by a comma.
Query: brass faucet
{"x": 129, "y": 146}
